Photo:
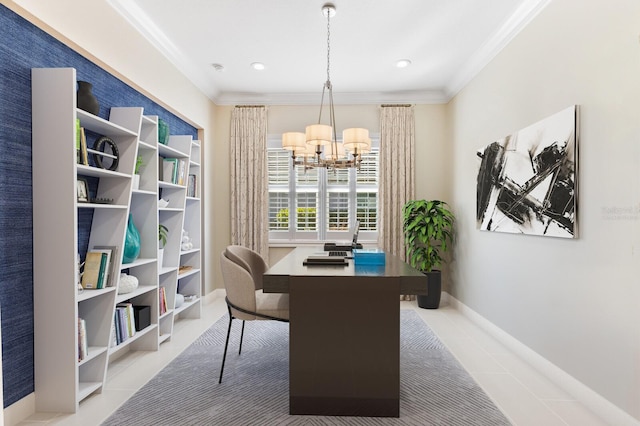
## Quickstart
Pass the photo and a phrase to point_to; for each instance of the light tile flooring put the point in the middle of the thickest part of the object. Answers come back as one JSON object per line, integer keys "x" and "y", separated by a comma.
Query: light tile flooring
{"x": 525, "y": 397}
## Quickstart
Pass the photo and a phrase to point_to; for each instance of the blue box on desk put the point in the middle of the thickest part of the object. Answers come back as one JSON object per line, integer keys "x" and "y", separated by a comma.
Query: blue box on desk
{"x": 368, "y": 256}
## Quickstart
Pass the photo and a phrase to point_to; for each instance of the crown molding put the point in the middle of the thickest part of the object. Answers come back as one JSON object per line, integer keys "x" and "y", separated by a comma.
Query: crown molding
{"x": 360, "y": 98}
{"x": 140, "y": 21}
{"x": 500, "y": 39}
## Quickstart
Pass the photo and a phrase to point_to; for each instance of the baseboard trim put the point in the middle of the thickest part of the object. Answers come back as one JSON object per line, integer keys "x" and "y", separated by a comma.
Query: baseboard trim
{"x": 602, "y": 407}
{"x": 214, "y": 295}
{"x": 20, "y": 410}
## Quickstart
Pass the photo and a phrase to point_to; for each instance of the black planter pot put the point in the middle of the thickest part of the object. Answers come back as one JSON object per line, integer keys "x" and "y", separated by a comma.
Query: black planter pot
{"x": 434, "y": 290}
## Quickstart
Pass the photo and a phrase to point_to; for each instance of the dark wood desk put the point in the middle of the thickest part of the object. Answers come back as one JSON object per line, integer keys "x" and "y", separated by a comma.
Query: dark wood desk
{"x": 344, "y": 354}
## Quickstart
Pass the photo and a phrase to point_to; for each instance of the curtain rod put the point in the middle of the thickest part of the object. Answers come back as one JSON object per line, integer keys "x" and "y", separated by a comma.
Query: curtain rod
{"x": 396, "y": 105}
{"x": 250, "y": 106}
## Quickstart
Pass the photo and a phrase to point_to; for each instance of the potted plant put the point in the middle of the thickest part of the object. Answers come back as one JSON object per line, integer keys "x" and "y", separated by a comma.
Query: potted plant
{"x": 136, "y": 172}
{"x": 428, "y": 233}
{"x": 163, "y": 234}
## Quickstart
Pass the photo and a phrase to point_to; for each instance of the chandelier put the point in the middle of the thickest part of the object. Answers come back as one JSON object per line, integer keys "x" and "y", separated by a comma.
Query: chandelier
{"x": 318, "y": 146}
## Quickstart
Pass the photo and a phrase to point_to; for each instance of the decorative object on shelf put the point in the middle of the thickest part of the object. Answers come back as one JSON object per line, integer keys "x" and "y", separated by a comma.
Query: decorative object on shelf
{"x": 163, "y": 234}
{"x": 131, "y": 242}
{"x": 82, "y": 189}
{"x": 428, "y": 232}
{"x": 179, "y": 300}
{"x": 85, "y": 100}
{"x": 99, "y": 154}
{"x": 163, "y": 131}
{"x": 184, "y": 268}
{"x": 102, "y": 200}
{"x": 79, "y": 266}
{"x": 307, "y": 147}
{"x": 185, "y": 243}
{"x": 128, "y": 283}
{"x": 135, "y": 184}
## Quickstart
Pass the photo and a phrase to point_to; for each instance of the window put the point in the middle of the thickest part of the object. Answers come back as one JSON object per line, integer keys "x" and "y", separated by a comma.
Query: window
{"x": 326, "y": 202}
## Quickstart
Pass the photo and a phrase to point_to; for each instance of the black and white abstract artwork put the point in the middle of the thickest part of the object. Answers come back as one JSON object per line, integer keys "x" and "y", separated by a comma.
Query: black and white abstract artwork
{"x": 527, "y": 180}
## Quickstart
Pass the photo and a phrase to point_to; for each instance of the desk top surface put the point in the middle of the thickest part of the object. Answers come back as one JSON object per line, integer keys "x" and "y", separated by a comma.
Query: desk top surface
{"x": 276, "y": 278}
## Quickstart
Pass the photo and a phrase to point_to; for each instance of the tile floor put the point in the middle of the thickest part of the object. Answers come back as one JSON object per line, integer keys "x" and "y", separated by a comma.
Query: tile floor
{"x": 526, "y": 397}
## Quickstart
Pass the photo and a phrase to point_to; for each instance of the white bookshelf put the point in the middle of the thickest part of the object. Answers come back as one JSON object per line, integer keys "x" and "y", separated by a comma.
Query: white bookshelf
{"x": 62, "y": 381}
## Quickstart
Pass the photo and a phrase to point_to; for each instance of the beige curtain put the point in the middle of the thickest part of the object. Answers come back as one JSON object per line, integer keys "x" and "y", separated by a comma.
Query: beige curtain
{"x": 397, "y": 175}
{"x": 249, "y": 186}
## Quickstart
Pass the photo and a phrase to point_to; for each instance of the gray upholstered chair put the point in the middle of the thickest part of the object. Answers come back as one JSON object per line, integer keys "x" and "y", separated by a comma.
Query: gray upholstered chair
{"x": 242, "y": 271}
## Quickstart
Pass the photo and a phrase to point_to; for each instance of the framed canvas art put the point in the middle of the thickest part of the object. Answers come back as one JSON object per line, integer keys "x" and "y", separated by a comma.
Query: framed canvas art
{"x": 527, "y": 181}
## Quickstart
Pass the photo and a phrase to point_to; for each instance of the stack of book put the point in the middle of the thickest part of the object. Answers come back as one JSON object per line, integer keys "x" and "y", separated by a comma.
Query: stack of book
{"x": 174, "y": 170}
{"x": 124, "y": 326}
{"x": 99, "y": 268}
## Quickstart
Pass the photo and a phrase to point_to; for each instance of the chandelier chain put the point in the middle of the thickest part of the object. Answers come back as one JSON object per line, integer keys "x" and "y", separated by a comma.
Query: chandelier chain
{"x": 328, "y": 46}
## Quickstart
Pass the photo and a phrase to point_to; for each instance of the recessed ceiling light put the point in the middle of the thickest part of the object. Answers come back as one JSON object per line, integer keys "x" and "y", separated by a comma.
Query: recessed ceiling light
{"x": 403, "y": 63}
{"x": 259, "y": 66}
{"x": 218, "y": 67}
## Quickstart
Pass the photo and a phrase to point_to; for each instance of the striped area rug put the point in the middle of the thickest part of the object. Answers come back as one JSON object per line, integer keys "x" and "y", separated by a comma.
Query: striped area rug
{"x": 434, "y": 388}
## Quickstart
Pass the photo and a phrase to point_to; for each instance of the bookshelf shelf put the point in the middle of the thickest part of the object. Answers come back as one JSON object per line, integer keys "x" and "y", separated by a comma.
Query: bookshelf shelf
{"x": 87, "y": 388}
{"x": 92, "y": 353}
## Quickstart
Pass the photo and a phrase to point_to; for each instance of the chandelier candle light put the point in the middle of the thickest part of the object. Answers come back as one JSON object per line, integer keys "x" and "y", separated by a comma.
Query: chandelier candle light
{"x": 307, "y": 148}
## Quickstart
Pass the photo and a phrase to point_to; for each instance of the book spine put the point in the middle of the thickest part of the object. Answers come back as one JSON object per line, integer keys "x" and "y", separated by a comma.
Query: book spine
{"x": 103, "y": 268}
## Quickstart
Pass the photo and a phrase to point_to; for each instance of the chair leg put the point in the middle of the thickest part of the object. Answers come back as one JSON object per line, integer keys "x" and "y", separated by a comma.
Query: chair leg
{"x": 241, "y": 336}
{"x": 224, "y": 356}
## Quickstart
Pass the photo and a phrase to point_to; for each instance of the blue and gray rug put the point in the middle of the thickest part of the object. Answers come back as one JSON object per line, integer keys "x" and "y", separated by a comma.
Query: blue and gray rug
{"x": 434, "y": 388}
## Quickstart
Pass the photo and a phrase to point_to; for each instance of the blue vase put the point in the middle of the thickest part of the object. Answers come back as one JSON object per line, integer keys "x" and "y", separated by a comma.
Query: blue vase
{"x": 131, "y": 249}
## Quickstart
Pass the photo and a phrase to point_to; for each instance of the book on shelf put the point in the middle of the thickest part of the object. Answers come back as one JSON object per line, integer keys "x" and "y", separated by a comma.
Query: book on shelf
{"x": 182, "y": 172}
{"x": 78, "y": 151}
{"x": 122, "y": 323}
{"x": 110, "y": 273}
{"x": 116, "y": 326}
{"x": 84, "y": 156}
{"x": 163, "y": 300}
{"x": 103, "y": 268}
{"x": 91, "y": 273}
{"x": 83, "y": 347}
{"x": 191, "y": 186}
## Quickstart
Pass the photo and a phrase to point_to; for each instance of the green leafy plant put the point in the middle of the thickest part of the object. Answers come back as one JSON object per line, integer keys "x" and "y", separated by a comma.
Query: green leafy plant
{"x": 163, "y": 233}
{"x": 428, "y": 232}
{"x": 139, "y": 164}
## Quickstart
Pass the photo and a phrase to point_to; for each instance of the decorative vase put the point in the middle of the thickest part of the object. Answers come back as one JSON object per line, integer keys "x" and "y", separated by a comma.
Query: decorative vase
{"x": 163, "y": 131}
{"x": 434, "y": 290}
{"x": 128, "y": 283}
{"x": 131, "y": 242}
{"x": 85, "y": 99}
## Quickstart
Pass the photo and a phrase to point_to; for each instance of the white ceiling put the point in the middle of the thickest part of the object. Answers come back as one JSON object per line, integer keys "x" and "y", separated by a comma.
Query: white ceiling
{"x": 448, "y": 42}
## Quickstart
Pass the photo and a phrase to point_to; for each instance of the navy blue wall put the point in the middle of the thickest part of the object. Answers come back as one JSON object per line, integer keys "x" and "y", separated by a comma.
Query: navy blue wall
{"x": 22, "y": 47}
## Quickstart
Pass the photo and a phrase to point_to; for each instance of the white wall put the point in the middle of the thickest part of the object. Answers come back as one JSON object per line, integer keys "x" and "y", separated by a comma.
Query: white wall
{"x": 575, "y": 302}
